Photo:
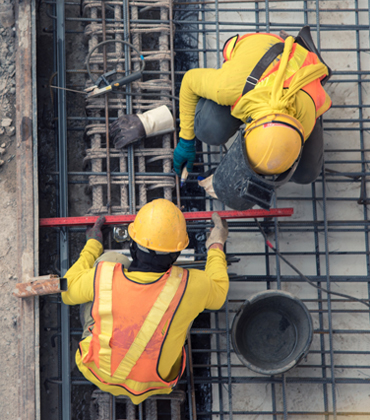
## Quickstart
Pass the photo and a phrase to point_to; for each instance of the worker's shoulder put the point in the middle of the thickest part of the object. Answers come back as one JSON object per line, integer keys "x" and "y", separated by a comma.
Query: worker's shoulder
{"x": 198, "y": 284}
{"x": 261, "y": 39}
{"x": 197, "y": 276}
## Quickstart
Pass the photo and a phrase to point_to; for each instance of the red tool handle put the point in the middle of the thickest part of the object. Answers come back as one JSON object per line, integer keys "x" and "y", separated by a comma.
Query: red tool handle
{"x": 190, "y": 216}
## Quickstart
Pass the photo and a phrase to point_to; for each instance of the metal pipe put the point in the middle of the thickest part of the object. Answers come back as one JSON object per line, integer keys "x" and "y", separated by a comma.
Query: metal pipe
{"x": 63, "y": 205}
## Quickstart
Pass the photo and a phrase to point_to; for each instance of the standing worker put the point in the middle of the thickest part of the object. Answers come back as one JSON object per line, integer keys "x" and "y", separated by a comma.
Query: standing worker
{"x": 137, "y": 316}
{"x": 275, "y": 88}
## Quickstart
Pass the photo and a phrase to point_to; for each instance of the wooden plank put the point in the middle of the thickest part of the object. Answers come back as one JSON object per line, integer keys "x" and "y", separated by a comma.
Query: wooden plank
{"x": 38, "y": 286}
{"x": 28, "y": 391}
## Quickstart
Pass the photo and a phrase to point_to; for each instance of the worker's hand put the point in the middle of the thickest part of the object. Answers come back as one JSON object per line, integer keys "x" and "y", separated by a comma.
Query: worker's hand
{"x": 184, "y": 153}
{"x": 95, "y": 231}
{"x": 219, "y": 233}
{"x": 126, "y": 130}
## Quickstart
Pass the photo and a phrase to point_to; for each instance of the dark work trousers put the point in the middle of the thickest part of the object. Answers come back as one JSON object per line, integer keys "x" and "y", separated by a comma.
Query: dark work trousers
{"x": 214, "y": 125}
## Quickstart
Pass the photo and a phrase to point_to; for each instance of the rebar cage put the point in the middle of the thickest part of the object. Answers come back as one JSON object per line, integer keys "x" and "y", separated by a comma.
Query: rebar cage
{"x": 326, "y": 238}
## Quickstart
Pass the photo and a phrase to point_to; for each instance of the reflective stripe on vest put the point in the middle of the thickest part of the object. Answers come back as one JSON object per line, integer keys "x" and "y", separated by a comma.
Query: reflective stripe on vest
{"x": 299, "y": 58}
{"x": 131, "y": 323}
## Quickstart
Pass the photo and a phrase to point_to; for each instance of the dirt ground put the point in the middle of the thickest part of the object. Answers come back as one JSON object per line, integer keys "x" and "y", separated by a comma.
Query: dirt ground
{"x": 9, "y": 310}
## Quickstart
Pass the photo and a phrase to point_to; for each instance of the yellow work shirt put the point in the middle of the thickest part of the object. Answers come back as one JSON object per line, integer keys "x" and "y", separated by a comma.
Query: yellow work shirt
{"x": 225, "y": 85}
{"x": 205, "y": 290}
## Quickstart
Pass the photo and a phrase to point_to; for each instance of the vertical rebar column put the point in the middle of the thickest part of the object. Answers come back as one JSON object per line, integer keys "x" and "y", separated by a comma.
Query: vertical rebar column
{"x": 130, "y": 149}
{"x": 106, "y": 115}
{"x": 123, "y": 158}
{"x": 174, "y": 136}
{"x": 141, "y": 159}
{"x": 327, "y": 262}
{"x": 165, "y": 67}
{"x": 151, "y": 409}
{"x": 96, "y": 164}
{"x": 130, "y": 410}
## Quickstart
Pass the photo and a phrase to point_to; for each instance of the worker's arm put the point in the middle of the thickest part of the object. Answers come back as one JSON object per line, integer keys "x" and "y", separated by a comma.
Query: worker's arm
{"x": 216, "y": 267}
{"x": 80, "y": 276}
{"x": 197, "y": 83}
{"x": 216, "y": 270}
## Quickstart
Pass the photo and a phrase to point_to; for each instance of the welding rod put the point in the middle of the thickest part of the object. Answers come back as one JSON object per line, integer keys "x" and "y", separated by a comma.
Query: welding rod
{"x": 189, "y": 217}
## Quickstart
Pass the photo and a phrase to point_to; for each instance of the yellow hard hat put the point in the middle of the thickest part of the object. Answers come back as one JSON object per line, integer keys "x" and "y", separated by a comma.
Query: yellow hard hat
{"x": 273, "y": 143}
{"x": 160, "y": 226}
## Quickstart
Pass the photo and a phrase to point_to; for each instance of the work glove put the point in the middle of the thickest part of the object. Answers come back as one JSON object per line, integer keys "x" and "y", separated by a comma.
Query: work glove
{"x": 207, "y": 184}
{"x": 184, "y": 153}
{"x": 132, "y": 127}
{"x": 95, "y": 231}
{"x": 219, "y": 233}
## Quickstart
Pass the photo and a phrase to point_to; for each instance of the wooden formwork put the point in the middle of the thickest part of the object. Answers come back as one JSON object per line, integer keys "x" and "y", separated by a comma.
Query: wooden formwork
{"x": 27, "y": 217}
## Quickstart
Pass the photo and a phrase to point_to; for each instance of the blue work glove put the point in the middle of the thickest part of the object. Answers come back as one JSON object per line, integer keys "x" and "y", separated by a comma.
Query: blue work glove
{"x": 184, "y": 153}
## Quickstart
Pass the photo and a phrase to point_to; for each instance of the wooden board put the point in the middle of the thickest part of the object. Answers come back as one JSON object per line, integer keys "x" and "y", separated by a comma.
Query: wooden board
{"x": 26, "y": 245}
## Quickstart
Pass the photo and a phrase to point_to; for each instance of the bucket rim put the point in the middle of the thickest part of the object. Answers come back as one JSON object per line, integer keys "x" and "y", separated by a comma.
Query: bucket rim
{"x": 255, "y": 298}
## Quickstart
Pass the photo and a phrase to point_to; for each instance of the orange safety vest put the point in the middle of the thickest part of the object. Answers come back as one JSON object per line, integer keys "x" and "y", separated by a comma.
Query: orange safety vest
{"x": 299, "y": 57}
{"x": 131, "y": 324}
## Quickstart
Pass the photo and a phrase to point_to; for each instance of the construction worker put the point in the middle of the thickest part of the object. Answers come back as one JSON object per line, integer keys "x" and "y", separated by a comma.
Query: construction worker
{"x": 272, "y": 85}
{"x": 136, "y": 316}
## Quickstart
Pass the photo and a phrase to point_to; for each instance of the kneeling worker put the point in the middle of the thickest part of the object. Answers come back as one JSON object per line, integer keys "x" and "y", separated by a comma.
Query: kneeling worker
{"x": 275, "y": 87}
{"x": 137, "y": 316}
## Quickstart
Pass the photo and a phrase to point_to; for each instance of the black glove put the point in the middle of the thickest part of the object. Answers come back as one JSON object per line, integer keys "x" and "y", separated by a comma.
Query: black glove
{"x": 95, "y": 231}
{"x": 126, "y": 130}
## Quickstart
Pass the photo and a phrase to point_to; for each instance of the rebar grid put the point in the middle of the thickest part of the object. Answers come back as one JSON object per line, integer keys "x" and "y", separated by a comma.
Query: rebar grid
{"x": 113, "y": 21}
{"x": 327, "y": 238}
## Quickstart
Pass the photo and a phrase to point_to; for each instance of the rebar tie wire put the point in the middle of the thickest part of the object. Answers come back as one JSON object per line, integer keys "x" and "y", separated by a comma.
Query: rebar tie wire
{"x": 304, "y": 277}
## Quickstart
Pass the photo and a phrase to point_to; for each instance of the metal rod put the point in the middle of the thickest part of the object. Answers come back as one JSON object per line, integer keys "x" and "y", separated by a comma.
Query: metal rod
{"x": 191, "y": 216}
{"x": 191, "y": 372}
{"x": 130, "y": 161}
{"x": 63, "y": 205}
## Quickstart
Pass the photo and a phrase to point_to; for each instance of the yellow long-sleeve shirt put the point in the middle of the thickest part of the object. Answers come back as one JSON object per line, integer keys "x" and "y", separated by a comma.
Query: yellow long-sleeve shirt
{"x": 225, "y": 85}
{"x": 205, "y": 290}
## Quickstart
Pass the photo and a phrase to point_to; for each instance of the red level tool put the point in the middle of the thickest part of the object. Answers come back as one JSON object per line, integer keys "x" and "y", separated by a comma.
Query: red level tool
{"x": 189, "y": 217}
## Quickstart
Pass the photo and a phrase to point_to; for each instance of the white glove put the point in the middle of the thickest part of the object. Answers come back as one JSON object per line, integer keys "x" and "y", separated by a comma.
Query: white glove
{"x": 219, "y": 233}
{"x": 157, "y": 120}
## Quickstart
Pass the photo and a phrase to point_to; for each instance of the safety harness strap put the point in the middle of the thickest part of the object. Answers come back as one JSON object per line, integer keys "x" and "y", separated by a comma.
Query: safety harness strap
{"x": 261, "y": 66}
{"x": 151, "y": 322}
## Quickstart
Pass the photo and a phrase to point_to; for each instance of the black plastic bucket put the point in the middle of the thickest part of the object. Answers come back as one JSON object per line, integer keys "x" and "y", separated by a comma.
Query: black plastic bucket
{"x": 272, "y": 332}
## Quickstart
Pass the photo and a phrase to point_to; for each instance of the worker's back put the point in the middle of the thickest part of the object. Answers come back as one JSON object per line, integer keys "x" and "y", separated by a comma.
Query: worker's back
{"x": 118, "y": 321}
